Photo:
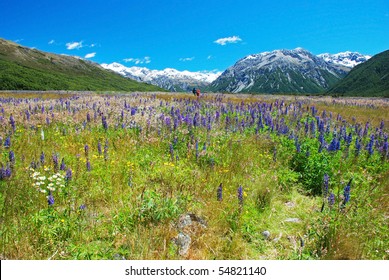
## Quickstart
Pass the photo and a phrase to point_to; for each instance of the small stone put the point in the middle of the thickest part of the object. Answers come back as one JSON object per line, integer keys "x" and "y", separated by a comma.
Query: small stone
{"x": 118, "y": 257}
{"x": 184, "y": 221}
{"x": 266, "y": 234}
{"x": 289, "y": 204}
{"x": 183, "y": 242}
{"x": 293, "y": 220}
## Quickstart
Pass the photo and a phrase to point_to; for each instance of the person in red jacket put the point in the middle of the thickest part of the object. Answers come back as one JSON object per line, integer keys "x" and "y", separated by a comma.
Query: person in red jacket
{"x": 197, "y": 92}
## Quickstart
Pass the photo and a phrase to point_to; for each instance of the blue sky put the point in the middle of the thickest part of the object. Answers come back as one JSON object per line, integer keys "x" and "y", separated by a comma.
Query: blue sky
{"x": 193, "y": 35}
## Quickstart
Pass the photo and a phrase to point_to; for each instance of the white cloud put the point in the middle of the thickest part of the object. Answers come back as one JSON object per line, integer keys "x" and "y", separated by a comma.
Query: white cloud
{"x": 145, "y": 60}
{"x": 90, "y": 55}
{"x": 187, "y": 58}
{"x": 223, "y": 41}
{"x": 209, "y": 56}
{"x": 74, "y": 45}
{"x": 51, "y": 42}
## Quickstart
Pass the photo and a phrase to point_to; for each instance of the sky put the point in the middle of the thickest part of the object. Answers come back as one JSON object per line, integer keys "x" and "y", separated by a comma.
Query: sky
{"x": 194, "y": 35}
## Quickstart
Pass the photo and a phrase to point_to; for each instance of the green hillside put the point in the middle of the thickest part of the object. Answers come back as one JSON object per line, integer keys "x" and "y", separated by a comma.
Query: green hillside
{"x": 23, "y": 68}
{"x": 370, "y": 78}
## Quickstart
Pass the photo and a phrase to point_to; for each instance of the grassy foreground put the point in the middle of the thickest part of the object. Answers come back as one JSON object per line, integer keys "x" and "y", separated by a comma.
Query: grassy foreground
{"x": 116, "y": 176}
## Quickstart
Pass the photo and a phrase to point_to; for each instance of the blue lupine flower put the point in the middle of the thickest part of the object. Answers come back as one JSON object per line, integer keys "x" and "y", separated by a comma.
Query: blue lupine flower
{"x": 331, "y": 199}
{"x": 357, "y": 146}
{"x": 220, "y": 192}
{"x": 50, "y": 199}
{"x": 346, "y": 193}
{"x": 88, "y": 166}
{"x": 55, "y": 162}
{"x": 99, "y": 147}
{"x": 240, "y": 195}
{"x": 370, "y": 145}
{"x": 82, "y": 207}
{"x": 69, "y": 174}
{"x": 7, "y": 142}
{"x": 86, "y": 149}
{"x": 63, "y": 165}
{"x": 11, "y": 156}
{"x": 12, "y": 122}
{"x": 42, "y": 158}
{"x": 104, "y": 122}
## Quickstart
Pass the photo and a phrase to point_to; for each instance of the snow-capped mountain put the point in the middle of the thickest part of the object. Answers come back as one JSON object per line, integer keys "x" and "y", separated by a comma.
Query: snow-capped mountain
{"x": 170, "y": 79}
{"x": 347, "y": 59}
{"x": 280, "y": 71}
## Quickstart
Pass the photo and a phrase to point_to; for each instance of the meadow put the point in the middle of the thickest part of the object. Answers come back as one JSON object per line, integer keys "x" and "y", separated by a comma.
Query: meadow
{"x": 171, "y": 176}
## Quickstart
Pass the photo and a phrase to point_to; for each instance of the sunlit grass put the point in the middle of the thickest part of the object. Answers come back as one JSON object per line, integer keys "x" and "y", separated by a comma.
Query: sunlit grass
{"x": 128, "y": 204}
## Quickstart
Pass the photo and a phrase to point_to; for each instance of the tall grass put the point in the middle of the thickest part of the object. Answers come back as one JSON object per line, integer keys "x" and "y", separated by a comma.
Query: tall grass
{"x": 160, "y": 156}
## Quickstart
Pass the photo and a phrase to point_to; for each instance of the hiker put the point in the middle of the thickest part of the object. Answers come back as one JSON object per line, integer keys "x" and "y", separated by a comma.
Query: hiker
{"x": 194, "y": 91}
{"x": 197, "y": 92}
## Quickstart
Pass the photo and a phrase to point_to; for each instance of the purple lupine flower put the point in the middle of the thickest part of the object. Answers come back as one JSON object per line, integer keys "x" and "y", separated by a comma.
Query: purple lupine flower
{"x": 50, "y": 199}
{"x": 325, "y": 184}
{"x": 220, "y": 192}
{"x": 88, "y": 117}
{"x": 346, "y": 193}
{"x": 82, "y": 207}
{"x": 11, "y": 156}
{"x": 331, "y": 199}
{"x": 88, "y": 166}
{"x": 104, "y": 122}
{"x": 313, "y": 127}
{"x": 7, "y": 142}
{"x": 8, "y": 171}
{"x": 86, "y": 149}
{"x": 240, "y": 195}
{"x": 42, "y": 158}
{"x": 12, "y": 122}
{"x": 382, "y": 124}
{"x": 357, "y": 146}
{"x": 55, "y": 162}
{"x": 99, "y": 147}
{"x": 297, "y": 144}
{"x": 385, "y": 146}
{"x": 68, "y": 175}
{"x": 63, "y": 165}
{"x": 370, "y": 145}
{"x": 333, "y": 145}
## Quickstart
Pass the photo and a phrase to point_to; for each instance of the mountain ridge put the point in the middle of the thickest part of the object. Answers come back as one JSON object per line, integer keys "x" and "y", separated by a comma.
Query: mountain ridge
{"x": 370, "y": 78}
{"x": 23, "y": 68}
{"x": 169, "y": 78}
{"x": 280, "y": 71}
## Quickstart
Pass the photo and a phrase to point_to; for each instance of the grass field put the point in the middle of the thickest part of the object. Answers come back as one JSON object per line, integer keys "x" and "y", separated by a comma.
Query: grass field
{"x": 172, "y": 176}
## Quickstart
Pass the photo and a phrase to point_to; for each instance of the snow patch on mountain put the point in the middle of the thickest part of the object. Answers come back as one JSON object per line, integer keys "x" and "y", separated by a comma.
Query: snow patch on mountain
{"x": 169, "y": 78}
{"x": 347, "y": 59}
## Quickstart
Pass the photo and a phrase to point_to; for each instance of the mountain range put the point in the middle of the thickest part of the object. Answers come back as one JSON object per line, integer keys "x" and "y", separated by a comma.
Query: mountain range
{"x": 370, "y": 78}
{"x": 170, "y": 79}
{"x": 279, "y": 71}
{"x": 23, "y": 68}
{"x": 286, "y": 71}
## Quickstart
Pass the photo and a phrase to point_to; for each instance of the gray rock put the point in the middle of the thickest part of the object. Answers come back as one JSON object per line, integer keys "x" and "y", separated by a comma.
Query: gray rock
{"x": 118, "y": 257}
{"x": 293, "y": 220}
{"x": 183, "y": 242}
{"x": 266, "y": 234}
